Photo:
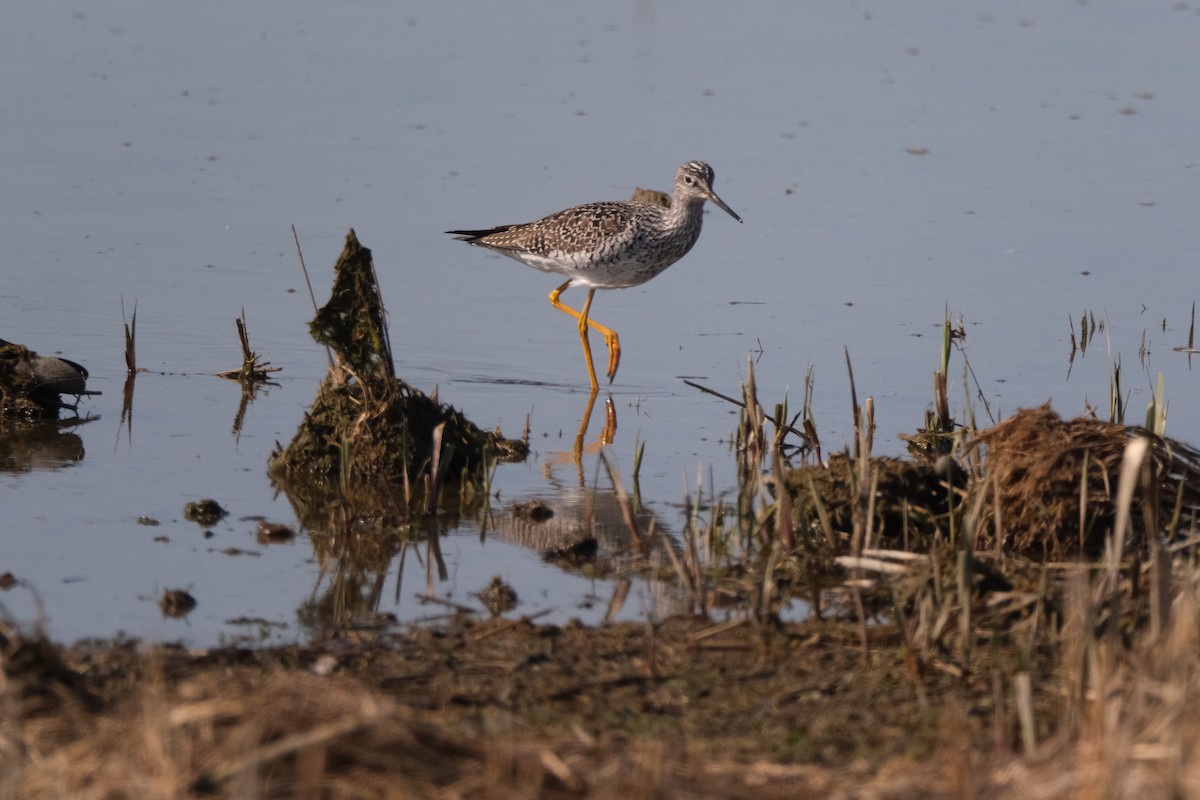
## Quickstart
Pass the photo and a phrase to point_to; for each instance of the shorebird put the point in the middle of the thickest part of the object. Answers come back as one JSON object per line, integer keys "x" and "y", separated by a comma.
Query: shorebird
{"x": 608, "y": 246}
{"x": 41, "y": 378}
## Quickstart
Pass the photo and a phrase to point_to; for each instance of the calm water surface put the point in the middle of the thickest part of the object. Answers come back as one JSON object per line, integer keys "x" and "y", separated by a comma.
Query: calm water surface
{"x": 1014, "y": 164}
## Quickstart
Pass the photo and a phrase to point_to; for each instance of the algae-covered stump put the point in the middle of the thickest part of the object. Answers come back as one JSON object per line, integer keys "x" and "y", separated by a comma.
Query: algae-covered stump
{"x": 365, "y": 423}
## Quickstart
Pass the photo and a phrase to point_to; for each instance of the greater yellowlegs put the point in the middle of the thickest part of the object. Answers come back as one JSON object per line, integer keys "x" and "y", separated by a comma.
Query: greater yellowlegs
{"x": 608, "y": 246}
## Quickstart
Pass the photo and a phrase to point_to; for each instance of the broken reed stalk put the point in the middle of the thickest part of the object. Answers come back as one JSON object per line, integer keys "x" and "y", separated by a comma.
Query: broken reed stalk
{"x": 638, "y": 454}
{"x": 941, "y": 399}
{"x": 1114, "y": 547}
{"x": 809, "y": 424}
{"x": 863, "y": 508}
{"x": 853, "y": 402}
{"x": 435, "y": 471}
{"x": 1191, "y": 343}
{"x": 244, "y": 339}
{"x": 868, "y": 424}
{"x": 826, "y": 521}
{"x": 251, "y": 371}
{"x": 688, "y": 570}
{"x": 1071, "y": 328}
{"x": 130, "y": 338}
{"x": 941, "y": 403}
{"x": 953, "y": 336}
{"x": 754, "y": 415}
{"x": 1159, "y": 564}
{"x": 783, "y": 505}
{"x": 1116, "y": 400}
{"x": 1156, "y": 411}
{"x": 1023, "y": 699}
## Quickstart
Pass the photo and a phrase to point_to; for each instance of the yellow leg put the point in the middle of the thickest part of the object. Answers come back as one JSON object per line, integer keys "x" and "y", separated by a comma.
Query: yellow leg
{"x": 610, "y": 336}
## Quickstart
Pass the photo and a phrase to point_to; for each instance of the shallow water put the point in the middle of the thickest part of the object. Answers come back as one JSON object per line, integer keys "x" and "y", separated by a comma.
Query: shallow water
{"x": 1017, "y": 165}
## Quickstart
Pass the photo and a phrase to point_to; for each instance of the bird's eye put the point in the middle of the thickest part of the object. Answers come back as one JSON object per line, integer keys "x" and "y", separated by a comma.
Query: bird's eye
{"x": 689, "y": 180}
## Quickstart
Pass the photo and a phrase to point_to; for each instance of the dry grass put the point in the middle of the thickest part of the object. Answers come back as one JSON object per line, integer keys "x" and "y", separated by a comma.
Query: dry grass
{"x": 1053, "y": 481}
{"x": 1115, "y": 718}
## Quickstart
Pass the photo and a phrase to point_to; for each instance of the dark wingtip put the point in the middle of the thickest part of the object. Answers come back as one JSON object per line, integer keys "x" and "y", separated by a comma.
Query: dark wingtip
{"x": 474, "y": 236}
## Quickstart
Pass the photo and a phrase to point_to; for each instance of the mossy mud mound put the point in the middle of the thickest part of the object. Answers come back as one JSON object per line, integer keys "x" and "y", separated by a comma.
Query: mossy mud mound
{"x": 367, "y": 427}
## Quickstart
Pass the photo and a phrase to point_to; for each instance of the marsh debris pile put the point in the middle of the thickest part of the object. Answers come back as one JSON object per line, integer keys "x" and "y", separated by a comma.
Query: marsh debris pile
{"x": 1042, "y": 485}
{"x": 1052, "y": 483}
{"x": 206, "y": 513}
{"x": 366, "y": 423}
{"x": 910, "y": 495}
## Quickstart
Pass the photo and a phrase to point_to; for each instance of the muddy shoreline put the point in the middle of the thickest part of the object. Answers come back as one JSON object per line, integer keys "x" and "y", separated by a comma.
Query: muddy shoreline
{"x": 504, "y": 708}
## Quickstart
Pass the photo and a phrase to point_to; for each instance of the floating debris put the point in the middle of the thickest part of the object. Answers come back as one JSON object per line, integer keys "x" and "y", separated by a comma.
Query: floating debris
{"x": 254, "y": 369}
{"x": 498, "y": 597}
{"x": 274, "y": 533}
{"x": 1056, "y": 480}
{"x": 176, "y": 603}
{"x": 206, "y": 512}
{"x": 532, "y": 510}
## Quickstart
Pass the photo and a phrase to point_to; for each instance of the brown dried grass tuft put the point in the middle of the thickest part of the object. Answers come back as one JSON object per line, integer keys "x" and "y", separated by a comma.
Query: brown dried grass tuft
{"x": 1055, "y": 481}
{"x": 229, "y": 732}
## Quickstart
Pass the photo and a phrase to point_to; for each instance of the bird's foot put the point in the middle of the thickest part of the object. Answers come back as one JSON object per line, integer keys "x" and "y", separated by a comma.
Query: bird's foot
{"x": 614, "y": 355}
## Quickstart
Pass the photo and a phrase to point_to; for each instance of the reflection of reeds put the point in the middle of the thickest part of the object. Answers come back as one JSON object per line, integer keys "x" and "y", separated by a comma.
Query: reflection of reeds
{"x": 1190, "y": 347}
